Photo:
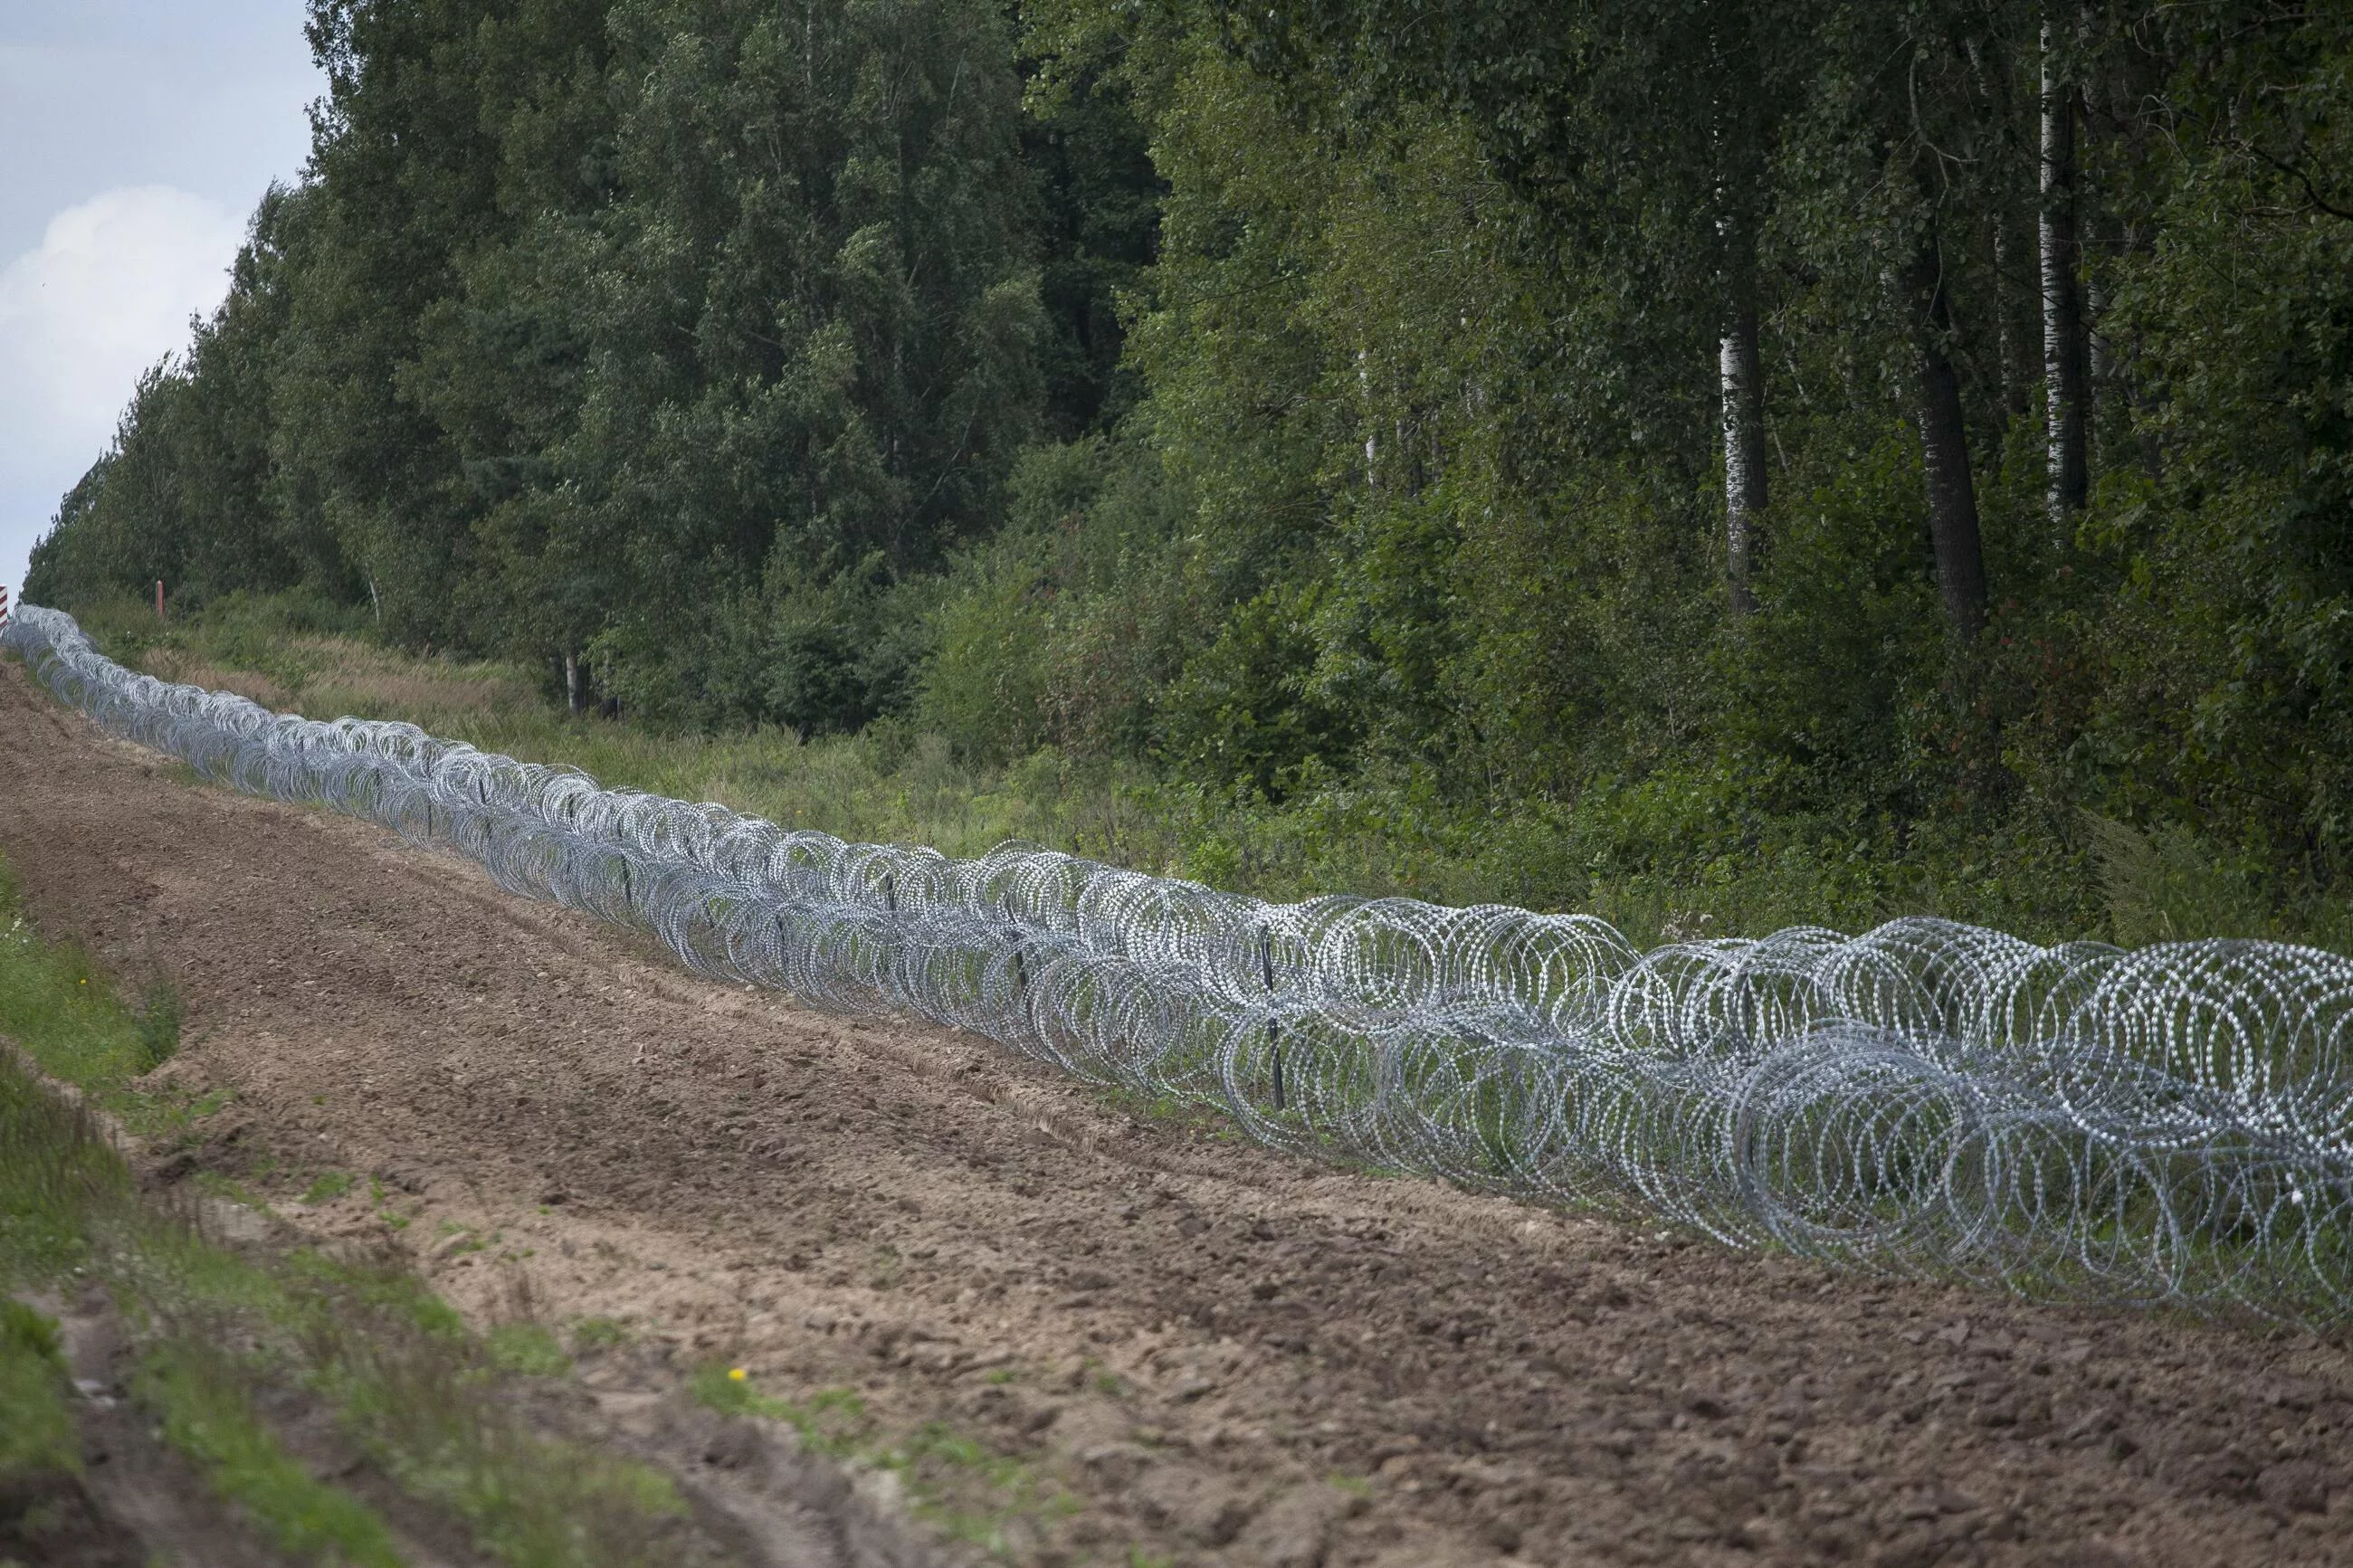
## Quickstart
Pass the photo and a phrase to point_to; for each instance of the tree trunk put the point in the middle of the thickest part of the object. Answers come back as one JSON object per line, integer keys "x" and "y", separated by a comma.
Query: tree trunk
{"x": 2098, "y": 362}
{"x": 576, "y": 694}
{"x": 1744, "y": 449}
{"x": 1738, "y": 134}
{"x": 1945, "y": 458}
{"x": 2064, "y": 350}
{"x": 2016, "y": 346}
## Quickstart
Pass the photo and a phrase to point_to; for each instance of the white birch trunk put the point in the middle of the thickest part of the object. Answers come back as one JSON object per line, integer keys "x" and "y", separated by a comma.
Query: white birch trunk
{"x": 2063, "y": 353}
{"x": 1744, "y": 451}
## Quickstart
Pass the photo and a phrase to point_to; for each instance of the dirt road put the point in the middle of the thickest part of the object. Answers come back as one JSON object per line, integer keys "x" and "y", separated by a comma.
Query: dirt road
{"x": 1217, "y": 1355}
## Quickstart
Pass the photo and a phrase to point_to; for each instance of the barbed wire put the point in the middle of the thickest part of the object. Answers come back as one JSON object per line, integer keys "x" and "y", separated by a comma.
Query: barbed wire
{"x": 2074, "y": 1123}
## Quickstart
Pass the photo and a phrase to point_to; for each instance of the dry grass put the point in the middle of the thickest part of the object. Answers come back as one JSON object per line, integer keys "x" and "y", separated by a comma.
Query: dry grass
{"x": 888, "y": 784}
{"x": 331, "y": 676}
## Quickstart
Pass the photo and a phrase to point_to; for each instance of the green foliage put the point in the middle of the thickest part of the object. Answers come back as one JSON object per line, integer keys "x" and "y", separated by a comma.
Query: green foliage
{"x": 1060, "y": 630}
{"x": 187, "y": 494}
{"x": 1242, "y": 712}
{"x": 36, "y": 1426}
{"x": 1305, "y": 420}
{"x": 671, "y": 336}
{"x": 1740, "y": 843}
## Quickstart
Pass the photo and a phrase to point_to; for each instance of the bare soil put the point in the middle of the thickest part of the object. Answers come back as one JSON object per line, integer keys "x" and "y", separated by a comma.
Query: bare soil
{"x": 1215, "y": 1354}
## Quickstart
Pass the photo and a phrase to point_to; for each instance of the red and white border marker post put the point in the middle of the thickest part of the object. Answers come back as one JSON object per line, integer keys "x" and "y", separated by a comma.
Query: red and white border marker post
{"x": 4, "y": 603}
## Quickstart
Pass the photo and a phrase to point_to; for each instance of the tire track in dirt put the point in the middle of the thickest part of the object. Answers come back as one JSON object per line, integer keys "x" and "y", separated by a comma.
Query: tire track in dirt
{"x": 1192, "y": 1336}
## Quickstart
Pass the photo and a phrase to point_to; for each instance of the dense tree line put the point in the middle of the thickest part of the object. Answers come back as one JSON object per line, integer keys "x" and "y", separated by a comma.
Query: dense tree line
{"x": 1897, "y": 420}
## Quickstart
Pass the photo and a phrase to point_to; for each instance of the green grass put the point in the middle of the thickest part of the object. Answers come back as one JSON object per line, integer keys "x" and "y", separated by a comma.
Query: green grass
{"x": 833, "y": 1421}
{"x": 216, "y": 1330}
{"x": 207, "y": 1412}
{"x": 590, "y": 1334}
{"x": 37, "y": 1430}
{"x": 429, "y": 1408}
{"x": 69, "y": 1208}
{"x": 156, "y": 1025}
{"x": 529, "y": 1350}
{"x": 961, "y": 1486}
{"x": 56, "y": 1004}
{"x": 327, "y": 1187}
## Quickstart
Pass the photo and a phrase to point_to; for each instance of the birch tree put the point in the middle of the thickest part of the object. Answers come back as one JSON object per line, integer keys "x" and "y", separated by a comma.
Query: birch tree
{"x": 1588, "y": 108}
{"x": 2064, "y": 351}
{"x": 1737, "y": 201}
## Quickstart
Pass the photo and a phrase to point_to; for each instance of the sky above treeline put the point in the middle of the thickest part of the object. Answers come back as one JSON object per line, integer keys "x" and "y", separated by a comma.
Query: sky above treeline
{"x": 135, "y": 138}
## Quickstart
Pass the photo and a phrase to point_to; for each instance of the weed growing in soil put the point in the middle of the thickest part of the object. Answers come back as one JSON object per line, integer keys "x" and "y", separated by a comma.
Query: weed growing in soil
{"x": 156, "y": 1025}
{"x": 832, "y": 1422}
{"x": 527, "y": 1350}
{"x": 959, "y": 1485}
{"x": 591, "y": 1334}
{"x": 327, "y": 1187}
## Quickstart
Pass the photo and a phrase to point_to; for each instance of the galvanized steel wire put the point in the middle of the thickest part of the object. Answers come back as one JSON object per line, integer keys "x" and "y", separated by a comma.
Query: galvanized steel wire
{"x": 2072, "y": 1123}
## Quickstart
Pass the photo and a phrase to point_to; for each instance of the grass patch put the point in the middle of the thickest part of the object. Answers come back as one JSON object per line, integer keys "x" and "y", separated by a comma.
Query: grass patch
{"x": 53, "y": 1001}
{"x": 962, "y": 1487}
{"x": 833, "y": 1421}
{"x": 427, "y": 1407}
{"x": 156, "y": 1025}
{"x": 223, "y": 1334}
{"x": 207, "y": 1412}
{"x": 591, "y": 1334}
{"x": 37, "y": 1428}
{"x": 327, "y": 1187}
{"x": 528, "y": 1350}
{"x": 69, "y": 1210}
{"x": 78, "y": 1028}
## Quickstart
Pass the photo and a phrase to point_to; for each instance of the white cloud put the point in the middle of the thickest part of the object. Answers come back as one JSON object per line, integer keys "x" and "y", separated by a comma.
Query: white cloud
{"x": 107, "y": 293}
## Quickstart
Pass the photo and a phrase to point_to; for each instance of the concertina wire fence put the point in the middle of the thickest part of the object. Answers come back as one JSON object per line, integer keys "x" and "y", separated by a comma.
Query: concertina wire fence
{"x": 2074, "y": 1123}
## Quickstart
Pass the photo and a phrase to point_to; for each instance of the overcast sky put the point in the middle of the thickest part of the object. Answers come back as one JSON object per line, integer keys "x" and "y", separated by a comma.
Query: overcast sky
{"x": 135, "y": 138}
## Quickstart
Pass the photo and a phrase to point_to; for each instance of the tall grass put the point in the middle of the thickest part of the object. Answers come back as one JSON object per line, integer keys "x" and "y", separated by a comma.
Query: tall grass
{"x": 1668, "y": 857}
{"x": 63, "y": 1010}
{"x": 37, "y": 1437}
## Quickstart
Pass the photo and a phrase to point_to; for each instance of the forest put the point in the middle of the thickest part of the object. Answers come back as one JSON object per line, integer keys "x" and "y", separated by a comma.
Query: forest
{"x": 1774, "y": 464}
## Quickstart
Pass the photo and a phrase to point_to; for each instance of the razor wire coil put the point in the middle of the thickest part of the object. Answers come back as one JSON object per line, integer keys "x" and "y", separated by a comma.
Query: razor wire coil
{"x": 1928, "y": 1098}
